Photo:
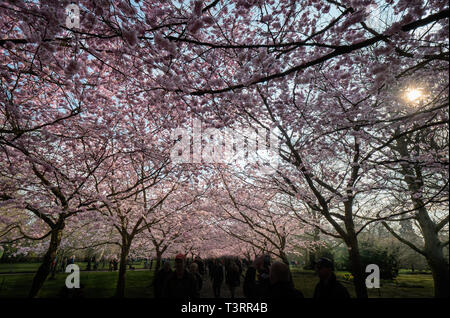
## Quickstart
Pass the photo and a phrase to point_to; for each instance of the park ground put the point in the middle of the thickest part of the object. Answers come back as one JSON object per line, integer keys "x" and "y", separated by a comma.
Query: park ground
{"x": 15, "y": 281}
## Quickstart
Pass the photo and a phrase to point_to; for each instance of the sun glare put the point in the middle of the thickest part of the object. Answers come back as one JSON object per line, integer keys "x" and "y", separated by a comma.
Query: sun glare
{"x": 413, "y": 95}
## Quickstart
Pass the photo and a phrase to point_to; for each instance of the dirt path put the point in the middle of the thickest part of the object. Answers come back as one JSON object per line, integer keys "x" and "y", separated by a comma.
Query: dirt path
{"x": 207, "y": 291}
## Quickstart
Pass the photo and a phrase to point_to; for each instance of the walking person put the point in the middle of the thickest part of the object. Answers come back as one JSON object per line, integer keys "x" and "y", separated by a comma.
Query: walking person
{"x": 201, "y": 265}
{"x": 328, "y": 286}
{"x": 96, "y": 263}
{"x": 210, "y": 268}
{"x": 249, "y": 285}
{"x": 262, "y": 266}
{"x": 180, "y": 284}
{"x": 88, "y": 267}
{"x": 233, "y": 278}
{"x": 281, "y": 284}
{"x": 217, "y": 277}
{"x": 160, "y": 279}
{"x": 63, "y": 265}
{"x": 193, "y": 269}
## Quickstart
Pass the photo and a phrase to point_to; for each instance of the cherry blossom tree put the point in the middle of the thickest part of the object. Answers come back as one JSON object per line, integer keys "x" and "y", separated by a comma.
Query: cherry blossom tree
{"x": 83, "y": 107}
{"x": 177, "y": 222}
{"x": 49, "y": 177}
{"x": 251, "y": 211}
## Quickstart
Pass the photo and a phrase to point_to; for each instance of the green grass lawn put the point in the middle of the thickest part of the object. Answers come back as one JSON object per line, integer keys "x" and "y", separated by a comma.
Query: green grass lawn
{"x": 404, "y": 286}
{"x": 18, "y": 267}
{"x": 96, "y": 285}
{"x": 32, "y": 267}
{"x": 102, "y": 284}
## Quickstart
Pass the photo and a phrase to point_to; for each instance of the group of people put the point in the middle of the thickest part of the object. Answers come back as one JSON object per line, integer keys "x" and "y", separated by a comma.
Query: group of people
{"x": 179, "y": 283}
{"x": 229, "y": 270}
{"x": 148, "y": 264}
{"x": 92, "y": 264}
{"x": 262, "y": 279}
{"x": 113, "y": 264}
{"x": 266, "y": 280}
{"x": 60, "y": 265}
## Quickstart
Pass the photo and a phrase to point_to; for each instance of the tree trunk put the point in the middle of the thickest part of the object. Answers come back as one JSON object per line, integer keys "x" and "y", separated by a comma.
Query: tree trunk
{"x": 433, "y": 248}
{"x": 311, "y": 259}
{"x": 315, "y": 253}
{"x": 439, "y": 268}
{"x": 351, "y": 240}
{"x": 359, "y": 277}
{"x": 101, "y": 255}
{"x": 120, "y": 289}
{"x": 44, "y": 269}
{"x": 284, "y": 258}
{"x": 158, "y": 261}
{"x": 434, "y": 254}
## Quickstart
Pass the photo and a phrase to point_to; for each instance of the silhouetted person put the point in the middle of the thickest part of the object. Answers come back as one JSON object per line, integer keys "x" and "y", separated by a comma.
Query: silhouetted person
{"x": 328, "y": 286}
{"x": 249, "y": 285}
{"x": 239, "y": 265}
{"x": 193, "y": 269}
{"x": 180, "y": 284}
{"x": 233, "y": 278}
{"x": 281, "y": 285}
{"x": 262, "y": 266}
{"x": 64, "y": 264}
{"x": 160, "y": 279}
{"x": 210, "y": 268}
{"x": 201, "y": 265}
{"x": 217, "y": 278}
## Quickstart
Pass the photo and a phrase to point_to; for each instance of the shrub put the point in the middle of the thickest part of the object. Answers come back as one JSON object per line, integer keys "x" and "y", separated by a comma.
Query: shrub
{"x": 386, "y": 260}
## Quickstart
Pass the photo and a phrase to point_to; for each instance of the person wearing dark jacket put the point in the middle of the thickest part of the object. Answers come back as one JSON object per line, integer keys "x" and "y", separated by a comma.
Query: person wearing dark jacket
{"x": 281, "y": 285}
{"x": 201, "y": 265}
{"x": 233, "y": 277}
{"x": 249, "y": 285}
{"x": 193, "y": 269}
{"x": 160, "y": 279}
{"x": 217, "y": 277}
{"x": 262, "y": 266}
{"x": 328, "y": 286}
{"x": 180, "y": 284}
